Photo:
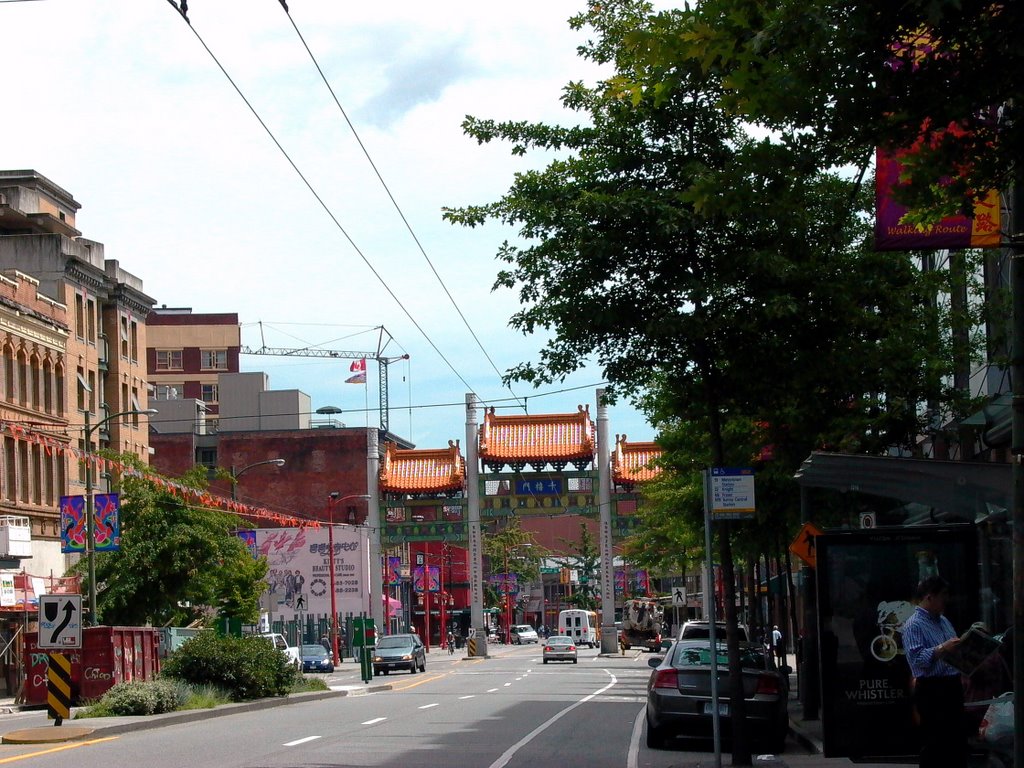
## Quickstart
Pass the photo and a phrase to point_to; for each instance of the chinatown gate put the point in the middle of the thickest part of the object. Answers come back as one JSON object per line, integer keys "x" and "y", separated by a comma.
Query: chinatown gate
{"x": 552, "y": 472}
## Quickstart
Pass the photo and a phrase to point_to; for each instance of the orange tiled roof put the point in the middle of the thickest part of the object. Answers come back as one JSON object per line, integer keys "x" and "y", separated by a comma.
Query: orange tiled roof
{"x": 631, "y": 461}
{"x": 555, "y": 437}
{"x": 423, "y": 471}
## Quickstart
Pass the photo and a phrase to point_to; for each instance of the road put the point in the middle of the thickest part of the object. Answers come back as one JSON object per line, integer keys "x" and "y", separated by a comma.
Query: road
{"x": 508, "y": 710}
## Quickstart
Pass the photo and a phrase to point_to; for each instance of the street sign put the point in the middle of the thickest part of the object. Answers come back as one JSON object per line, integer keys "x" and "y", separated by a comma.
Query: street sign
{"x": 60, "y": 621}
{"x": 803, "y": 545}
{"x": 678, "y": 597}
{"x": 732, "y": 493}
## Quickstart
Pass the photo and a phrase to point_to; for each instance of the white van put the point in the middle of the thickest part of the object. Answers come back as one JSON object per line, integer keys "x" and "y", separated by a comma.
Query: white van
{"x": 580, "y": 625}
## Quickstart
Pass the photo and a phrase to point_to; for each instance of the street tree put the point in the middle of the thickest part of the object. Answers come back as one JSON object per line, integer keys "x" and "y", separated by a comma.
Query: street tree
{"x": 584, "y": 557}
{"x": 179, "y": 562}
{"x": 937, "y": 78}
{"x": 724, "y": 275}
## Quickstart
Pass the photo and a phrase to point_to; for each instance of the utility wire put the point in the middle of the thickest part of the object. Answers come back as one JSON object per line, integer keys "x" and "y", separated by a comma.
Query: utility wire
{"x": 394, "y": 202}
{"x": 181, "y": 11}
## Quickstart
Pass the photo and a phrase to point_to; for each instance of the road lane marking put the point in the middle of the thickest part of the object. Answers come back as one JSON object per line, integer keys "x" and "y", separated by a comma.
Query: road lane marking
{"x": 633, "y": 756}
{"x": 467, "y": 697}
{"x": 374, "y": 721}
{"x": 50, "y": 751}
{"x": 509, "y": 753}
{"x": 491, "y": 690}
{"x": 300, "y": 741}
{"x": 507, "y": 685}
{"x": 420, "y": 680}
{"x": 428, "y": 706}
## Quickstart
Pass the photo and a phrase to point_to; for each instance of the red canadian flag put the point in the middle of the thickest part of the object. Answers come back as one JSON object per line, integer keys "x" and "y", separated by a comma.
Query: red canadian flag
{"x": 358, "y": 369}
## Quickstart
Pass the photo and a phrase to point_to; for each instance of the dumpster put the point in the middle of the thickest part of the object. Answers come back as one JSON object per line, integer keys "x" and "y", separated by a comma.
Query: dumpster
{"x": 109, "y": 655}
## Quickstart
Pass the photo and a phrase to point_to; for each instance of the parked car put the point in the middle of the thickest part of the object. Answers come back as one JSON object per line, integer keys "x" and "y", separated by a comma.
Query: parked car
{"x": 290, "y": 651}
{"x": 679, "y": 695}
{"x": 699, "y": 629}
{"x": 316, "y": 658}
{"x": 399, "y": 652}
{"x": 524, "y": 633}
{"x": 560, "y": 648}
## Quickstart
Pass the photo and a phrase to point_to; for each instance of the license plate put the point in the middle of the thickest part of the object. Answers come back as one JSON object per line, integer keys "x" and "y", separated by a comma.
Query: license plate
{"x": 723, "y": 709}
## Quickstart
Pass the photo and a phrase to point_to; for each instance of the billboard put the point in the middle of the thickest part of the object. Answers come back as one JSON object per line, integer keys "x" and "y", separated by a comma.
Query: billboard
{"x": 866, "y": 581}
{"x": 298, "y": 567}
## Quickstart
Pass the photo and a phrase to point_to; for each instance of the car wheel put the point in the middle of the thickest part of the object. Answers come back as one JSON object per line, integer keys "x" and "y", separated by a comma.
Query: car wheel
{"x": 575, "y": 660}
{"x": 385, "y": 672}
{"x": 655, "y": 737}
{"x": 423, "y": 666}
{"x": 545, "y": 661}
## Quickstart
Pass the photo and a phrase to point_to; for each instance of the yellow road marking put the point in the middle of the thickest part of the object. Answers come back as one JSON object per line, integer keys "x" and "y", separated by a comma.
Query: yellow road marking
{"x": 57, "y": 749}
{"x": 417, "y": 682}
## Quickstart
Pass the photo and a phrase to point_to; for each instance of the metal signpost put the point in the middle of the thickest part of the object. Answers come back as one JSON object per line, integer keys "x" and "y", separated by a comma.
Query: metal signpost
{"x": 60, "y": 627}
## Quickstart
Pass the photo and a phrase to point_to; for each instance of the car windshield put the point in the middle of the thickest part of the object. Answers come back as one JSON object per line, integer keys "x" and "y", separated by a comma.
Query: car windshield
{"x": 751, "y": 657}
{"x": 395, "y": 641}
{"x": 699, "y": 631}
{"x": 523, "y": 628}
{"x": 559, "y": 641}
{"x": 314, "y": 650}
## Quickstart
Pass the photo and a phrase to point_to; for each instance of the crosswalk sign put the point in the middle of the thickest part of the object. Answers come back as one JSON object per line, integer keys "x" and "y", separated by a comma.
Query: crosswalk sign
{"x": 678, "y": 597}
{"x": 803, "y": 545}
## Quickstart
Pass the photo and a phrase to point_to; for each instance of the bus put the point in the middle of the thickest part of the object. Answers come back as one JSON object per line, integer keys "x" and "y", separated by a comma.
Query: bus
{"x": 582, "y": 626}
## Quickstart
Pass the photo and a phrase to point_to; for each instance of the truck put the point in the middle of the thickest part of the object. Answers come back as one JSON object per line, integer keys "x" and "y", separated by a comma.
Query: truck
{"x": 641, "y": 624}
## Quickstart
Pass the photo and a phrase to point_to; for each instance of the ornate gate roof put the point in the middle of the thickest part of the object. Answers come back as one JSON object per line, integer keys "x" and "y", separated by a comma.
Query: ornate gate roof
{"x": 631, "y": 462}
{"x": 437, "y": 470}
{"x": 555, "y": 438}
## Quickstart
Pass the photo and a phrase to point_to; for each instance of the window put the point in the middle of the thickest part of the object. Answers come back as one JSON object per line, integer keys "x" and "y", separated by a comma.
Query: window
{"x": 209, "y": 394}
{"x": 214, "y": 360}
{"x": 134, "y": 333}
{"x": 207, "y": 457}
{"x": 168, "y": 359}
{"x": 168, "y": 391}
{"x": 90, "y": 319}
{"x": 79, "y": 316}
{"x": 124, "y": 336}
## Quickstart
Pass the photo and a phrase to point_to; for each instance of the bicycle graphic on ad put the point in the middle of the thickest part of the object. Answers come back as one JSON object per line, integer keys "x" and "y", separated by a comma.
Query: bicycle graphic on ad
{"x": 892, "y": 614}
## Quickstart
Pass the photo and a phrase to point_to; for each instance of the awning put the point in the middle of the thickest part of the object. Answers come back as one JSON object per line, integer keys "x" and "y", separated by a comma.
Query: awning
{"x": 995, "y": 420}
{"x": 952, "y": 489}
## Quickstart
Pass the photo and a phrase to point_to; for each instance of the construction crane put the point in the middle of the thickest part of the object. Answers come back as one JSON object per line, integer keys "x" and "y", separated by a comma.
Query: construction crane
{"x": 383, "y": 361}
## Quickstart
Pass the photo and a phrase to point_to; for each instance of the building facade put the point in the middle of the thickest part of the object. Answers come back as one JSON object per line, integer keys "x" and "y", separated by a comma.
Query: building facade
{"x": 87, "y": 353}
{"x": 187, "y": 352}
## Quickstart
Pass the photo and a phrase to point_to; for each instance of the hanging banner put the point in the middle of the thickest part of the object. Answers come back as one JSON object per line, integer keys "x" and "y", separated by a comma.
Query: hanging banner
{"x": 249, "y": 539}
{"x": 394, "y": 571}
{"x": 8, "y": 596}
{"x": 106, "y": 523}
{"x": 954, "y": 232}
{"x": 73, "y": 531}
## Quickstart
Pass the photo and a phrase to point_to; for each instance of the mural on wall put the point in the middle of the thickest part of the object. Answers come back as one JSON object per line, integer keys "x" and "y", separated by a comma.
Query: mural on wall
{"x": 298, "y": 569}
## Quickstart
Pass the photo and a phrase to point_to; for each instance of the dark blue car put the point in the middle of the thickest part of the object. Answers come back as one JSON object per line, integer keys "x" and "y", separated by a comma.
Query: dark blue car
{"x": 316, "y": 658}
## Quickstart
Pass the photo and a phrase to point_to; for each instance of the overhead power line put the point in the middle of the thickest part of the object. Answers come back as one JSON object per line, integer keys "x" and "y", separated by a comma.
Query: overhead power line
{"x": 394, "y": 202}
{"x": 320, "y": 200}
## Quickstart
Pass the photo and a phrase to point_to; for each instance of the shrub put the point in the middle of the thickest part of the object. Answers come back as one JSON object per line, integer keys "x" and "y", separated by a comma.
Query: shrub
{"x": 245, "y": 667}
{"x": 132, "y": 698}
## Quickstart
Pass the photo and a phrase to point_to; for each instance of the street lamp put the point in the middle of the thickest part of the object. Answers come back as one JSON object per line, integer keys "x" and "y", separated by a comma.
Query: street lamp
{"x": 333, "y": 499}
{"x": 237, "y": 474}
{"x": 90, "y": 522}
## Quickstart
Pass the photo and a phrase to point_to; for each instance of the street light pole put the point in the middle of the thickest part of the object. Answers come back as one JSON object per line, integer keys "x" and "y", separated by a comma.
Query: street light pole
{"x": 332, "y": 500}
{"x": 235, "y": 475}
{"x": 90, "y": 503}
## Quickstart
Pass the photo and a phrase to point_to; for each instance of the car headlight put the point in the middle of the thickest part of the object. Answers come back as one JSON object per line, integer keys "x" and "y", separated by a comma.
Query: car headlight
{"x": 378, "y": 658}
{"x": 407, "y": 657}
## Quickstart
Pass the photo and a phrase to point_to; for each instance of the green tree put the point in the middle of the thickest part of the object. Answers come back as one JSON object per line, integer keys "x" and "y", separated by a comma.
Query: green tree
{"x": 840, "y": 78}
{"x": 723, "y": 280}
{"x": 511, "y": 548}
{"x": 178, "y": 562}
{"x": 586, "y": 561}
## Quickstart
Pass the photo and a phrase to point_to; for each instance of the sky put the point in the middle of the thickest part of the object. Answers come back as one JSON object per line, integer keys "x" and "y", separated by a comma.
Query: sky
{"x": 121, "y": 103}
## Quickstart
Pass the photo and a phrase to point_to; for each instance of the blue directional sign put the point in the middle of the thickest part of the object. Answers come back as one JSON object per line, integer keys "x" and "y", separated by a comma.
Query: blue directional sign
{"x": 732, "y": 493}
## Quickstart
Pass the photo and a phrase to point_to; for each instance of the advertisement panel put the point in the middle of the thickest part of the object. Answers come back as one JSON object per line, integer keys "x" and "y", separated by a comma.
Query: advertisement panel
{"x": 866, "y": 581}
{"x": 298, "y": 566}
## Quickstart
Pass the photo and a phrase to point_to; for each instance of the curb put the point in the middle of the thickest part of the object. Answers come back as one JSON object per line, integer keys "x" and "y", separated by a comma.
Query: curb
{"x": 96, "y": 725}
{"x": 808, "y": 742}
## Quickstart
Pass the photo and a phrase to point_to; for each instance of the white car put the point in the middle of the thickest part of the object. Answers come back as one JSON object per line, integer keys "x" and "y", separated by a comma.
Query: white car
{"x": 524, "y": 633}
{"x": 291, "y": 652}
